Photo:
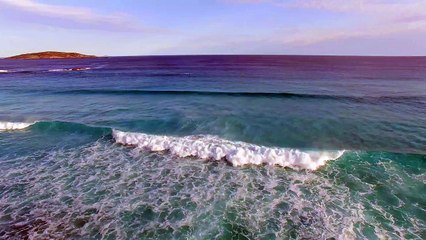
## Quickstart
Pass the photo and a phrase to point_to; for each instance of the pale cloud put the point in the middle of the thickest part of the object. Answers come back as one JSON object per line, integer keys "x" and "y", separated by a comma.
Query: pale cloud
{"x": 356, "y": 5}
{"x": 60, "y": 15}
{"x": 377, "y": 18}
{"x": 247, "y": 1}
{"x": 374, "y": 8}
{"x": 316, "y": 36}
{"x": 384, "y": 9}
{"x": 374, "y": 23}
{"x": 384, "y": 18}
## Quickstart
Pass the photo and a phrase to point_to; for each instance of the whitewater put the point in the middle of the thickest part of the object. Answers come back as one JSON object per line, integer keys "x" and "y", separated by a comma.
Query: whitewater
{"x": 236, "y": 153}
{"x": 7, "y": 126}
{"x": 210, "y": 147}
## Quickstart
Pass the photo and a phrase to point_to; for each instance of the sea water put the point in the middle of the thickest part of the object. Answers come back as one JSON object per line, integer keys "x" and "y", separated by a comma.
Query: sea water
{"x": 213, "y": 147}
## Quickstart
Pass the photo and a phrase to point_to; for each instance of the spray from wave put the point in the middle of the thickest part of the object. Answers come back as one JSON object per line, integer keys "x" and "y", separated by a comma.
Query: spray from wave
{"x": 236, "y": 153}
{"x": 9, "y": 126}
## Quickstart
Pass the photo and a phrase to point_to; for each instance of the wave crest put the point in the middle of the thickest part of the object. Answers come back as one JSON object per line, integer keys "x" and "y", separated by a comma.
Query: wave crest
{"x": 8, "y": 126}
{"x": 236, "y": 153}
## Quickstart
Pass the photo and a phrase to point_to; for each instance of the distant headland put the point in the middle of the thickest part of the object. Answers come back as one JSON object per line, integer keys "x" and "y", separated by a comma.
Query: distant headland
{"x": 51, "y": 55}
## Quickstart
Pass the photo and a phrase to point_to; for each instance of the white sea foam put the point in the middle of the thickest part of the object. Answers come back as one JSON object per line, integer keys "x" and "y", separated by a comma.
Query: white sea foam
{"x": 8, "y": 126}
{"x": 236, "y": 153}
{"x": 3, "y": 71}
{"x": 69, "y": 69}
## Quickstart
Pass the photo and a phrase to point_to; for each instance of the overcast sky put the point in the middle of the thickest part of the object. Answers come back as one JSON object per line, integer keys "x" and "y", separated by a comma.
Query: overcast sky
{"x": 162, "y": 27}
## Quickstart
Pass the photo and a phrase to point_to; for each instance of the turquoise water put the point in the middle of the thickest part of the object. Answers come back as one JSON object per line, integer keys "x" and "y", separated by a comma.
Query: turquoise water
{"x": 66, "y": 176}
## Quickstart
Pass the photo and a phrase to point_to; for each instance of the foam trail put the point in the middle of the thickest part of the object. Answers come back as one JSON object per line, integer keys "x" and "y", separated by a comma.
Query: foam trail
{"x": 236, "y": 153}
{"x": 4, "y": 71}
{"x": 8, "y": 126}
{"x": 57, "y": 70}
{"x": 69, "y": 69}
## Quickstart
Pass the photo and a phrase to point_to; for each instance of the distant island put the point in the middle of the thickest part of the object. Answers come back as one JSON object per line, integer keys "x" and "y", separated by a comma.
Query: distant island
{"x": 51, "y": 55}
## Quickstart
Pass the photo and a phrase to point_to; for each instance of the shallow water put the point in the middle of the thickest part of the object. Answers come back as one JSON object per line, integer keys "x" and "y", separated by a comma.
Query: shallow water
{"x": 66, "y": 176}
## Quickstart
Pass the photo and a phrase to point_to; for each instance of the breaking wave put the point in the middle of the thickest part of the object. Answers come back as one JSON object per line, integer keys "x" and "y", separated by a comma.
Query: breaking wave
{"x": 205, "y": 147}
{"x": 9, "y": 126}
{"x": 236, "y": 153}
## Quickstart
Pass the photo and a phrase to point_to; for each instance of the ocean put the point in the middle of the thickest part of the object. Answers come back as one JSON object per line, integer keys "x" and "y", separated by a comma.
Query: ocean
{"x": 213, "y": 147}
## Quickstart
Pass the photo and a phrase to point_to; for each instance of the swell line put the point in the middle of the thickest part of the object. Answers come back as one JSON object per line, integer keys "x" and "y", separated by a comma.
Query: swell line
{"x": 183, "y": 92}
{"x": 402, "y": 99}
{"x": 55, "y": 126}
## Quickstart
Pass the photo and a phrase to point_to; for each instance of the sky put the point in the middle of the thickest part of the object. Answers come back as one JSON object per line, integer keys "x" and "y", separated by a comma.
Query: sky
{"x": 186, "y": 27}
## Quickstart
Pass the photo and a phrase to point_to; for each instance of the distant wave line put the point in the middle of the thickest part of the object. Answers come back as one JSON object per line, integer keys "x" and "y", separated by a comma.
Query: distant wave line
{"x": 238, "y": 94}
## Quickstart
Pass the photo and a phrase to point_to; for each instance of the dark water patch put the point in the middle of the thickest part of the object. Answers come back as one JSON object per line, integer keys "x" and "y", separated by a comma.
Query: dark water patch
{"x": 395, "y": 99}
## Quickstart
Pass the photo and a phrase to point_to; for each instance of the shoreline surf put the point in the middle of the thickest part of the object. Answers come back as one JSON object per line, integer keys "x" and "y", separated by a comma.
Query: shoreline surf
{"x": 208, "y": 147}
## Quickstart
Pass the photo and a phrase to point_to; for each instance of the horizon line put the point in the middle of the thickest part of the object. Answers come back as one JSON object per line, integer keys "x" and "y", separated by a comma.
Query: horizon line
{"x": 212, "y": 54}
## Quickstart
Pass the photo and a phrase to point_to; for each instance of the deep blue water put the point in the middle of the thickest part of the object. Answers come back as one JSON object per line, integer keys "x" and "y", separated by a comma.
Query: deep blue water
{"x": 67, "y": 177}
